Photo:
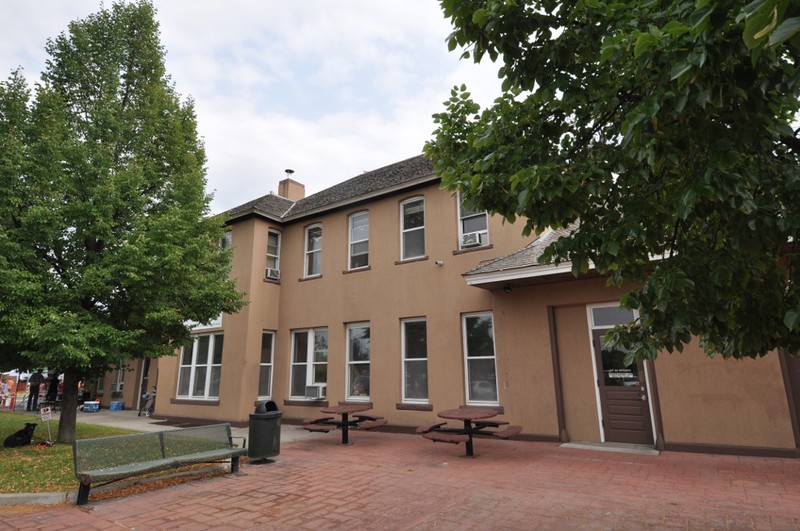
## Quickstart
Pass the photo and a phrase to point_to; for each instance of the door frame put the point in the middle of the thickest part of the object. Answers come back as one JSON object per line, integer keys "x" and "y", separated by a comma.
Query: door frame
{"x": 591, "y": 329}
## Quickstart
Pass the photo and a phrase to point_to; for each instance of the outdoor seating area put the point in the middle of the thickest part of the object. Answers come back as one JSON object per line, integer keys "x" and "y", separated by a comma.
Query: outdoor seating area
{"x": 474, "y": 423}
{"x": 345, "y": 422}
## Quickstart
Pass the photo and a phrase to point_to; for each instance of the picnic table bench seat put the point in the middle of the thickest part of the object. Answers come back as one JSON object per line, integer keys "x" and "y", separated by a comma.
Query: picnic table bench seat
{"x": 480, "y": 424}
{"x": 372, "y": 424}
{"x": 319, "y": 427}
{"x": 317, "y": 420}
{"x": 107, "y": 459}
{"x": 507, "y": 432}
{"x": 438, "y": 436}
{"x": 430, "y": 427}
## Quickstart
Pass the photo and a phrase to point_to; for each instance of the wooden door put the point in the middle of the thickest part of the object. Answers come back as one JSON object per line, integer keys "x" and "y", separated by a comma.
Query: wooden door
{"x": 623, "y": 396}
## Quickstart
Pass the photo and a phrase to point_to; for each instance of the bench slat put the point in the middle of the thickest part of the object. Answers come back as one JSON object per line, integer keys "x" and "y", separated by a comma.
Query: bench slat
{"x": 372, "y": 424}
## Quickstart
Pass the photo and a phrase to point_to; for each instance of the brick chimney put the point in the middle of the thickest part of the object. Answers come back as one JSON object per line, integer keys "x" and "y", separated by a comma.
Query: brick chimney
{"x": 291, "y": 189}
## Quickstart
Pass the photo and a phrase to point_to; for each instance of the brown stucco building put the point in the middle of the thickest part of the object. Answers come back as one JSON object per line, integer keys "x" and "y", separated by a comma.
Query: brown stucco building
{"x": 384, "y": 290}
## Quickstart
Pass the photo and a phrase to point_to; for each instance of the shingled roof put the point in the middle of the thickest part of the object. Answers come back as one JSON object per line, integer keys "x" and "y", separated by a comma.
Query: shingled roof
{"x": 528, "y": 257}
{"x": 367, "y": 185}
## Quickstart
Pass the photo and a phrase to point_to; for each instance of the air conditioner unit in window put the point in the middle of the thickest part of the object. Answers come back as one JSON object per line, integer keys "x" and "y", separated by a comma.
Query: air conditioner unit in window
{"x": 316, "y": 392}
{"x": 471, "y": 239}
{"x": 274, "y": 274}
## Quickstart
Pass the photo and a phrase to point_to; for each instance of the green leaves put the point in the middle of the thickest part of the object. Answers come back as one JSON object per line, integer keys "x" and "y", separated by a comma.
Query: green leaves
{"x": 673, "y": 138}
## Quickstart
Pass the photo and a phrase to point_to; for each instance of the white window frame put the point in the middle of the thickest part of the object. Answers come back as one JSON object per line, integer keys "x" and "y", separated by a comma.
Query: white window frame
{"x": 355, "y": 242}
{"x": 468, "y": 359}
{"x": 274, "y": 259}
{"x": 311, "y": 361}
{"x": 416, "y": 361}
{"x": 467, "y": 215}
{"x": 310, "y": 254}
{"x": 118, "y": 383}
{"x": 267, "y": 339}
{"x": 352, "y": 392}
{"x": 404, "y": 231}
{"x": 212, "y": 366}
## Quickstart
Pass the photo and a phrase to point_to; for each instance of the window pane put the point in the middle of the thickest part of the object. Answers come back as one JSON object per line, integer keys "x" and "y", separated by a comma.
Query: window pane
{"x": 266, "y": 347}
{"x": 320, "y": 373}
{"x": 414, "y": 243}
{"x": 416, "y": 339}
{"x": 320, "y": 345}
{"x": 359, "y": 379}
{"x": 200, "y": 381}
{"x": 359, "y": 344}
{"x": 213, "y": 386}
{"x": 413, "y": 215}
{"x": 298, "y": 380}
{"x": 611, "y": 315}
{"x": 359, "y": 260}
{"x": 186, "y": 358}
{"x": 272, "y": 244}
{"x": 475, "y": 224}
{"x": 183, "y": 381}
{"x": 417, "y": 379}
{"x": 359, "y": 248}
{"x": 359, "y": 227}
{"x": 202, "y": 350}
{"x": 300, "y": 347}
{"x": 218, "y": 342}
{"x": 264, "y": 379}
{"x": 314, "y": 263}
{"x": 479, "y": 336}
{"x": 482, "y": 382}
{"x": 314, "y": 239}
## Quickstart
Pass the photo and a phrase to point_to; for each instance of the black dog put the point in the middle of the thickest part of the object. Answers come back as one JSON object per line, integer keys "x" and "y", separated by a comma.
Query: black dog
{"x": 21, "y": 438}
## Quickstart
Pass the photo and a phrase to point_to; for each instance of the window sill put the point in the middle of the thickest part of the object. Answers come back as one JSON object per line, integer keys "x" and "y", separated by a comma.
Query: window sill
{"x": 472, "y": 249}
{"x": 305, "y": 403}
{"x": 194, "y": 401}
{"x": 356, "y": 270}
{"x": 412, "y": 260}
{"x": 408, "y": 406}
{"x": 304, "y": 279}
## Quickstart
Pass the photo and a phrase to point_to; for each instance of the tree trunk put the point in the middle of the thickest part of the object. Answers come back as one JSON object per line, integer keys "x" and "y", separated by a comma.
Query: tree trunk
{"x": 69, "y": 408}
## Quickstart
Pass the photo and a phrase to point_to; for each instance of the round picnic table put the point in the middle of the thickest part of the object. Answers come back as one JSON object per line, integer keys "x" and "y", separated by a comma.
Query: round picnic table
{"x": 468, "y": 415}
{"x": 345, "y": 410}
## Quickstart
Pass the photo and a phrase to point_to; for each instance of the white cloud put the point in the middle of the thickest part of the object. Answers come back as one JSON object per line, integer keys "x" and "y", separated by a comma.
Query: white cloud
{"x": 329, "y": 89}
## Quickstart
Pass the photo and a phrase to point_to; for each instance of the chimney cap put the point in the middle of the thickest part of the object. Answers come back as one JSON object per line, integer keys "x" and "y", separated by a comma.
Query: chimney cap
{"x": 289, "y": 171}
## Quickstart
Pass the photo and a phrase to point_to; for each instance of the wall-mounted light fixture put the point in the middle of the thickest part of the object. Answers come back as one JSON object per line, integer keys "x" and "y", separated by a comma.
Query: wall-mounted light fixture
{"x": 507, "y": 288}
{"x": 439, "y": 263}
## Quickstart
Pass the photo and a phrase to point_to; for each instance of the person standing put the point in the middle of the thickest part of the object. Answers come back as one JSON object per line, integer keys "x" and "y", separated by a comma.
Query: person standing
{"x": 34, "y": 383}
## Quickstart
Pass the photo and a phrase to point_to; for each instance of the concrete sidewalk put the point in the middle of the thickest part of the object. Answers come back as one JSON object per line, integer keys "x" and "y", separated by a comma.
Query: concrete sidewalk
{"x": 398, "y": 481}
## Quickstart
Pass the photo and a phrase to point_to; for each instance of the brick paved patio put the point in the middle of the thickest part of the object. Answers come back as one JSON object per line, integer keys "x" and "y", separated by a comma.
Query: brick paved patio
{"x": 394, "y": 481}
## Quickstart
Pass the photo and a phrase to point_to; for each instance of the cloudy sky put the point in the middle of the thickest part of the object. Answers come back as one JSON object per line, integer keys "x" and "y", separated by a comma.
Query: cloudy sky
{"x": 328, "y": 88}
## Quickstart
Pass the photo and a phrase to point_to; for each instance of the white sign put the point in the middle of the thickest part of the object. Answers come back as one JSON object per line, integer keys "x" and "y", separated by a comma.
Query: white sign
{"x": 46, "y": 413}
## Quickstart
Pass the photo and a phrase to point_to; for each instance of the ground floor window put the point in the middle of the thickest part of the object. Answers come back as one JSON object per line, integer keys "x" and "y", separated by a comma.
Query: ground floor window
{"x": 265, "y": 371}
{"x": 201, "y": 367}
{"x": 481, "y": 373}
{"x": 415, "y": 360}
{"x": 358, "y": 359}
{"x": 309, "y": 363}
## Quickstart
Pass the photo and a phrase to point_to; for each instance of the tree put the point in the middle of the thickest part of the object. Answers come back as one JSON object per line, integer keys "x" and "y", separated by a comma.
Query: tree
{"x": 660, "y": 132}
{"x": 107, "y": 248}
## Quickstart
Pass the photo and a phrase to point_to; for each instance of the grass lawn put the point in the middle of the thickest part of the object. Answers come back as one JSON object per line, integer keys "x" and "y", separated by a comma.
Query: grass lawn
{"x": 47, "y": 469}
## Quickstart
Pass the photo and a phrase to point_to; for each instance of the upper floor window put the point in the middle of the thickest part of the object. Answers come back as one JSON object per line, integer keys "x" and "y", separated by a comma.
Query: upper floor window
{"x": 481, "y": 373}
{"x": 265, "y": 371}
{"x": 273, "y": 255}
{"x": 359, "y": 240}
{"x": 227, "y": 240}
{"x": 309, "y": 363}
{"x": 201, "y": 367}
{"x": 412, "y": 228}
{"x": 313, "y": 265}
{"x": 473, "y": 226}
{"x": 358, "y": 358}
{"x": 415, "y": 360}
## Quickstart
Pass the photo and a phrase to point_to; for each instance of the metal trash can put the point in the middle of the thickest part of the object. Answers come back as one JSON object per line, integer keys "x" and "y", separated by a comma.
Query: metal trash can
{"x": 265, "y": 431}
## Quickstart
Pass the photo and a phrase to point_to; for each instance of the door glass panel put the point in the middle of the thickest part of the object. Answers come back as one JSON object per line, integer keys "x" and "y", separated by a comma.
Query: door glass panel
{"x": 615, "y": 372}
